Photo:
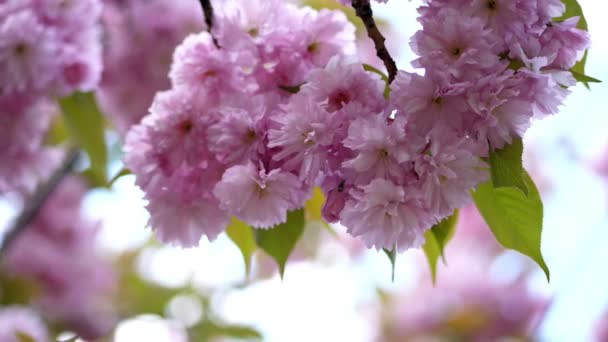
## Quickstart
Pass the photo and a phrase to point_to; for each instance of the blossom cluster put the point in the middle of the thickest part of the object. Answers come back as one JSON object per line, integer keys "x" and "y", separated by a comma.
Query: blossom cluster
{"x": 273, "y": 103}
{"x": 24, "y": 125}
{"x": 139, "y": 39}
{"x": 57, "y": 252}
{"x": 48, "y": 48}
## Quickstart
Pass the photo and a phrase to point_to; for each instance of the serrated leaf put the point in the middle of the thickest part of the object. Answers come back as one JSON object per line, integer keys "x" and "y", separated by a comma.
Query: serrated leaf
{"x": 506, "y": 166}
{"x": 279, "y": 241}
{"x": 242, "y": 235}
{"x": 392, "y": 256}
{"x": 86, "y": 124}
{"x": 584, "y": 78}
{"x": 436, "y": 239}
{"x": 516, "y": 220}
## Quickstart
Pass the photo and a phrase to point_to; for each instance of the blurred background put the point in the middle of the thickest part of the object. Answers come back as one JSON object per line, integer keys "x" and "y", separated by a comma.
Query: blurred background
{"x": 333, "y": 288}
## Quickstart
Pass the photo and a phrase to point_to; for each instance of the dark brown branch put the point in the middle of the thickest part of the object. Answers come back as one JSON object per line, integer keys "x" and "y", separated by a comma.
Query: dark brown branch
{"x": 38, "y": 198}
{"x": 208, "y": 11}
{"x": 364, "y": 11}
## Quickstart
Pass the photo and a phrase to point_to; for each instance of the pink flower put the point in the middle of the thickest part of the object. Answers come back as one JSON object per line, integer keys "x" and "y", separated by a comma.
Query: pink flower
{"x": 429, "y": 100}
{"x": 380, "y": 148}
{"x": 304, "y": 131}
{"x": 42, "y": 41}
{"x": 182, "y": 207}
{"x": 330, "y": 34}
{"x": 201, "y": 66}
{"x": 601, "y": 328}
{"x": 15, "y": 320}
{"x": 173, "y": 134}
{"x": 509, "y": 19}
{"x": 448, "y": 169}
{"x": 240, "y": 132}
{"x": 28, "y": 54}
{"x": 133, "y": 73}
{"x": 343, "y": 83}
{"x": 550, "y": 9}
{"x": 71, "y": 18}
{"x": 385, "y": 215}
{"x": 499, "y": 111}
{"x": 257, "y": 196}
{"x": 461, "y": 48}
{"x": 564, "y": 41}
{"x": 57, "y": 251}
{"x": 80, "y": 67}
{"x": 184, "y": 217}
{"x": 27, "y": 161}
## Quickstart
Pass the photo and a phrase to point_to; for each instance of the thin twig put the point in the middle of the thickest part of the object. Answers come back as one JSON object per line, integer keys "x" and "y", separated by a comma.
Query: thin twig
{"x": 38, "y": 198}
{"x": 364, "y": 11}
{"x": 208, "y": 11}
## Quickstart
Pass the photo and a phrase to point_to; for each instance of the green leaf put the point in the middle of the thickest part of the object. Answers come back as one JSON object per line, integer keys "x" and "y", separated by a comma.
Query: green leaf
{"x": 436, "y": 239}
{"x": 86, "y": 126}
{"x": 392, "y": 256}
{"x": 242, "y": 235}
{"x": 57, "y": 132}
{"x": 279, "y": 241}
{"x": 375, "y": 70}
{"x": 387, "y": 88}
{"x": 208, "y": 330}
{"x": 314, "y": 205}
{"x": 515, "y": 219}
{"x": 584, "y": 78}
{"x": 506, "y": 166}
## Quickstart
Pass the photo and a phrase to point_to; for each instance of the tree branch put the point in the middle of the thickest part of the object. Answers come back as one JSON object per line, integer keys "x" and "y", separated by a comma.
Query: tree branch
{"x": 208, "y": 11}
{"x": 364, "y": 11}
{"x": 38, "y": 198}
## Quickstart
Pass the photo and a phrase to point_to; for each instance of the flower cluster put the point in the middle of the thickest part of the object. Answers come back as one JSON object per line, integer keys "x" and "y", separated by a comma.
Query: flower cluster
{"x": 48, "y": 48}
{"x": 204, "y": 152}
{"x": 24, "y": 126}
{"x": 140, "y": 37}
{"x": 57, "y": 251}
{"x": 278, "y": 104}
